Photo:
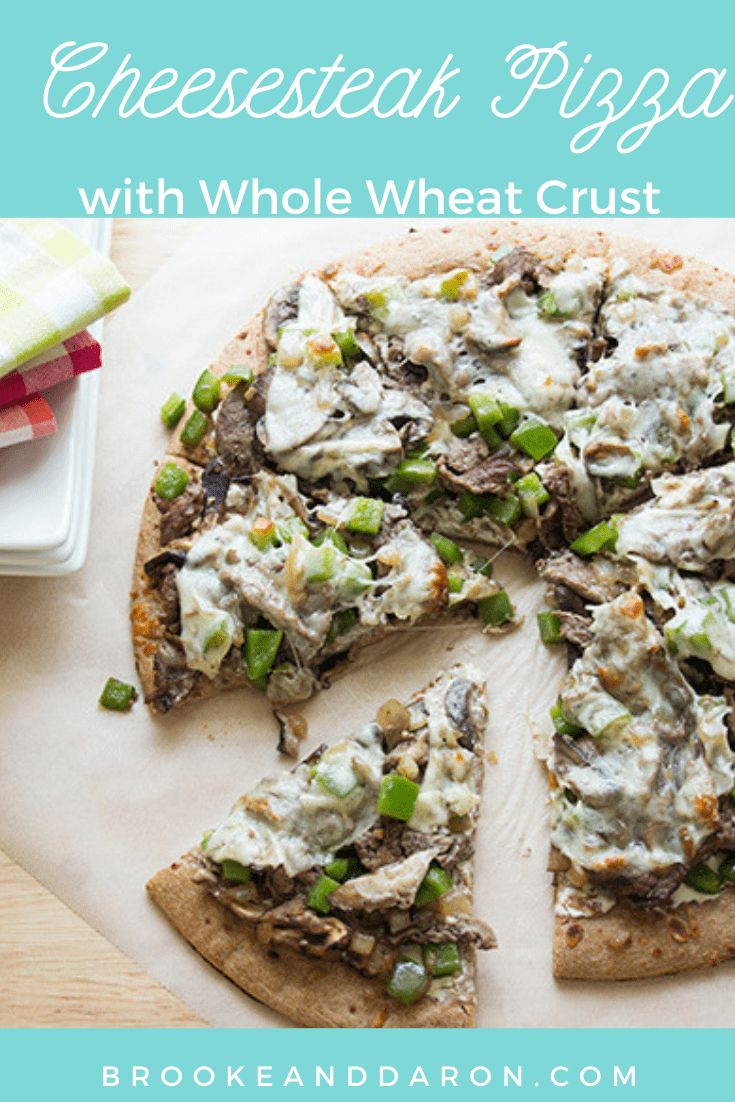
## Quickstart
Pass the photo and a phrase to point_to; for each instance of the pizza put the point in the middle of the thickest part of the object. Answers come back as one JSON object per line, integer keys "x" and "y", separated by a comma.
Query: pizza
{"x": 340, "y": 893}
{"x": 361, "y": 452}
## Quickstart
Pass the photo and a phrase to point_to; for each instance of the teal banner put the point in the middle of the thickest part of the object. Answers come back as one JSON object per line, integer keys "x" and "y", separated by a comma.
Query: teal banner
{"x": 417, "y": 109}
{"x": 595, "y": 1064}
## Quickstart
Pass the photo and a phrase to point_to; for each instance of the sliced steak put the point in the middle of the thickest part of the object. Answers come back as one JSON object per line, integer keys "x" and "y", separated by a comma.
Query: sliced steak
{"x": 558, "y": 481}
{"x": 178, "y": 517}
{"x": 489, "y": 476}
{"x": 235, "y": 434}
{"x": 172, "y": 679}
{"x": 592, "y": 581}
{"x": 520, "y": 264}
{"x": 576, "y": 628}
{"x": 216, "y": 483}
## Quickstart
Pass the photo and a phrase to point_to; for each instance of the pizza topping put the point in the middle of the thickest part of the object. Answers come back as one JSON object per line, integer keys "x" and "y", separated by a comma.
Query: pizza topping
{"x": 172, "y": 410}
{"x": 636, "y": 792}
{"x": 702, "y": 620}
{"x": 195, "y": 429}
{"x": 689, "y": 523}
{"x": 206, "y": 393}
{"x": 171, "y": 481}
{"x": 117, "y": 696}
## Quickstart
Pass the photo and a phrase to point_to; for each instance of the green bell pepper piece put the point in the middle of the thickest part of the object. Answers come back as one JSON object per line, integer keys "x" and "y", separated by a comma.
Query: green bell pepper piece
{"x": 321, "y": 564}
{"x": 343, "y": 868}
{"x": 206, "y": 392}
{"x": 703, "y": 879}
{"x": 455, "y": 583}
{"x": 509, "y": 420}
{"x": 600, "y": 538}
{"x": 238, "y": 373}
{"x": 534, "y": 437}
{"x": 726, "y": 870}
{"x": 436, "y": 882}
{"x": 505, "y": 510}
{"x": 408, "y": 981}
{"x": 342, "y": 621}
{"x": 217, "y": 637}
{"x": 549, "y": 627}
{"x": 416, "y": 472}
{"x": 442, "y": 959}
{"x": 471, "y": 505}
{"x": 317, "y": 898}
{"x": 193, "y": 431}
{"x": 235, "y": 872}
{"x": 336, "y": 778}
{"x": 488, "y": 413}
{"x": 532, "y": 492}
{"x": 347, "y": 344}
{"x": 378, "y": 301}
{"x": 464, "y": 426}
{"x": 548, "y": 308}
{"x": 331, "y": 535}
{"x": 562, "y": 725}
{"x": 484, "y": 567}
{"x": 261, "y": 647}
{"x": 171, "y": 481}
{"x": 447, "y": 550}
{"x": 397, "y": 797}
{"x": 172, "y": 410}
{"x": 366, "y": 515}
{"x": 263, "y": 534}
{"x": 496, "y": 609}
{"x": 117, "y": 696}
{"x": 291, "y": 527}
{"x": 449, "y": 288}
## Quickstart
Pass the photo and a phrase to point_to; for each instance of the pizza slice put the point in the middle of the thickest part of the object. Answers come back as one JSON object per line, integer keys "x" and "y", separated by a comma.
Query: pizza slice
{"x": 252, "y": 582}
{"x": 340, "y": 893}
{"x": 641, "y": 768}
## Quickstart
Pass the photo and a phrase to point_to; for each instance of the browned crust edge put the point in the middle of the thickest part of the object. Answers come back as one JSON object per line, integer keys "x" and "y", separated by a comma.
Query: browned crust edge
{"x": 310, "y": 992}
{"x": 628, "y": 943}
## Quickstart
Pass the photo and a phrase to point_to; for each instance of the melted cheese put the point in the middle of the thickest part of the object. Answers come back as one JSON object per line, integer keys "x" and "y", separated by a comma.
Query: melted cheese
{"x": 296, "y": 822}
{"x": 644, "y": 790}
{"x": 227, "y": 581}
{"x": 689, "y": 523}
{"x": 703, "y": 620}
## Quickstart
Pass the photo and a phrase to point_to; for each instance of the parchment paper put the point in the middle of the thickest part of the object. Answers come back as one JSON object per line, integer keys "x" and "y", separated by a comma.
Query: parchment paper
{"x": 92, "y": 803}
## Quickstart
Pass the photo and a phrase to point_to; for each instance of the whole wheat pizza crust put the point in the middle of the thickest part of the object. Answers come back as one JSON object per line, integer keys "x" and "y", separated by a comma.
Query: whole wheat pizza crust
{"x": 628, "y": 943}
{"x": 623, "y": 944}
{"x": 308, "y": 991}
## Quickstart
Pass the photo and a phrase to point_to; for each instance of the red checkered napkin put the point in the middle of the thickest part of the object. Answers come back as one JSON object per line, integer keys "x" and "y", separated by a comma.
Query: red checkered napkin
{"x": 75, "y": 356}
{"x": 28, "y": 419}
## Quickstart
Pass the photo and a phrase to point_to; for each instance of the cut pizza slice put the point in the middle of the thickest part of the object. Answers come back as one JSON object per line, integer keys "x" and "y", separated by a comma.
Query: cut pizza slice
{"x": 261, "y": 584}
{"x": 641, "y": 776}
{"x": 340, "y": 893}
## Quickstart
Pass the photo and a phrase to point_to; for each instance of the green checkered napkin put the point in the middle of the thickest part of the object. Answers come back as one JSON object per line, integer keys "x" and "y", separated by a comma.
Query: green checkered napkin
{"x": 51, "y": 286}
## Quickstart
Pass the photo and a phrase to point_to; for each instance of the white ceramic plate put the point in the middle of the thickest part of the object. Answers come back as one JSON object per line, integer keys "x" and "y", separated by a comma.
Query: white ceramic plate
{"x": 46, "y": 485}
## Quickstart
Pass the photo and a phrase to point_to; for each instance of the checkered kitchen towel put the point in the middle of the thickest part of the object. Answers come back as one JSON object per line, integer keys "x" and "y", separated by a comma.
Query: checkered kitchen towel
{"x": 25, "y": 421}
{"x": 78, "y": 354}
{"x": 51, "y": 286}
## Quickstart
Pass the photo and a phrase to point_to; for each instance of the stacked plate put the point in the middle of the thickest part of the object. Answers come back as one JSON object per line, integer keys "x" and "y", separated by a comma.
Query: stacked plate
{"x": 46, "y": 484}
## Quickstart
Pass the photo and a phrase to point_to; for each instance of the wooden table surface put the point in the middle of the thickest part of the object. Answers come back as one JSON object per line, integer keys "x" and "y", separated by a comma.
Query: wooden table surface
{"x": 55, "y": 970}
